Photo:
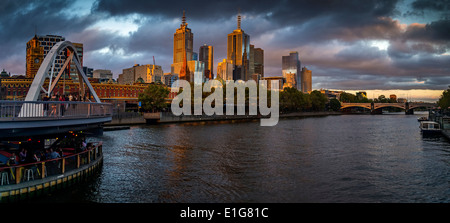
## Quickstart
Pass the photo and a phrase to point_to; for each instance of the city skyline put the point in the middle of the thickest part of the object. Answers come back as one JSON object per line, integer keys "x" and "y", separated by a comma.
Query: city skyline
{"x": 371, "y": 46}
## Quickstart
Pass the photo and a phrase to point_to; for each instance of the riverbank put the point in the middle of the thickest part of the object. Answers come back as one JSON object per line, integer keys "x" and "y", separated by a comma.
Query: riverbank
{"x": 309, "y": 114}
{"x": 169, "y": 118}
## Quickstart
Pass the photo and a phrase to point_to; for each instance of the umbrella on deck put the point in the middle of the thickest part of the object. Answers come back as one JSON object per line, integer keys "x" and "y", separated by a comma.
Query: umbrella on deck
{"x": 4, "y": 156}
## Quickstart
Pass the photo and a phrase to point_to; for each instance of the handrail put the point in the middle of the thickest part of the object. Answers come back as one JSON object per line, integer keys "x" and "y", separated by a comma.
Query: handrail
{"x": 19, "y": 110}
{"x": 15, "y": 172}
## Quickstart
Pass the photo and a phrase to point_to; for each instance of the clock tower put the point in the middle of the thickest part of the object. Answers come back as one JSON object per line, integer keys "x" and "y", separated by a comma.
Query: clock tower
{"x": 35, "y": 56}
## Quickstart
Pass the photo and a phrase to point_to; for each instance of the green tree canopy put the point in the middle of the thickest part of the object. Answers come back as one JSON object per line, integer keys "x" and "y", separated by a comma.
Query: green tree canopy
{"x": 292, "y": 100}
{"x": 318, "y": 100}
{"x": 153, "y": 98}
{"x": 334, "y": 104}
{"x": 348, "y": 97}
{"x": 444, "y": 100}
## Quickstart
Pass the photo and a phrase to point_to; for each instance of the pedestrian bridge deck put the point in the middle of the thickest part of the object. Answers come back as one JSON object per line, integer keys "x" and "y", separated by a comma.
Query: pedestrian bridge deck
{"x": 32, "y": 118}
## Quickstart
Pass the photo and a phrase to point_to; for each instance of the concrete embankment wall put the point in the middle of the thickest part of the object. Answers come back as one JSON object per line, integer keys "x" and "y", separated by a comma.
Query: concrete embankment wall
{"x": 170, "y": 118}
{"x": 127, "y": 118}
{"x": 167, "y": 117}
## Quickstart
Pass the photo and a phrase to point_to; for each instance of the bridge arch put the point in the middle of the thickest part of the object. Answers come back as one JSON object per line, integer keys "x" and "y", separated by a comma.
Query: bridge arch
{"x": 424, "y": 105}
{"x": 355, "y": 105}
{"x": 387, "y": 105}
{"x": 44, "y": 72}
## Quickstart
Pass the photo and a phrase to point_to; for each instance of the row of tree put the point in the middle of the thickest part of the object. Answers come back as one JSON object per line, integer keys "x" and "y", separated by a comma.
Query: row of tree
{"x": 291, "y": 100}
{"x": 153, "y": 99}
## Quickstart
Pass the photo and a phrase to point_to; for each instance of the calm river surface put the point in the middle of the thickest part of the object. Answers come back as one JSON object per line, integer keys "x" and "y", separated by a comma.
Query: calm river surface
{"x": 347, "y": 158}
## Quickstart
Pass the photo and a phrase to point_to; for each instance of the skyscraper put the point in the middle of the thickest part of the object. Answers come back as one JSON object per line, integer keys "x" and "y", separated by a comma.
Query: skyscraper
{"x": 306, "y": 80}
{"x": 183, "y": 41}
{"x": 183, "y": 64}
{"x": 207, "y": 56}
{"x": 291, "y": 64}
{"x": 258, "y": 61}
{"x": 238, "y": 52}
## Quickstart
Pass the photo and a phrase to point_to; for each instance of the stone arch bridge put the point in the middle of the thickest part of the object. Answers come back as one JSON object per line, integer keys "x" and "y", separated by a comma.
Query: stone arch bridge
{"x": 374, "y": 107}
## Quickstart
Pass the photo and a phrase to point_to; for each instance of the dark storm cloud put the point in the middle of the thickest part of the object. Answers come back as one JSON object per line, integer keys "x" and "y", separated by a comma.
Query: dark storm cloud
{"x": 21, "y": 19}
{"x": 435, "y": 31}
{"x": 338, "y": 14}
{"x": 334, "y": 38}
{"x": 435, "y": 5}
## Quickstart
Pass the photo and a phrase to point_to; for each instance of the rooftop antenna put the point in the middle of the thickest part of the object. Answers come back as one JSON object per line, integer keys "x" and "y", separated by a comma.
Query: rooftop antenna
{"x": 183, "y": 19}
{"x": 239, "y": 19}
{"x": 153, "y": 60}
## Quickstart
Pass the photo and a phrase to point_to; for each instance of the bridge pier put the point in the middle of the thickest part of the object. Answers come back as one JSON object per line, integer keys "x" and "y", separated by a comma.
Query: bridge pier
{"x": 409, "y": 112}
{"x": 376, "y": 111}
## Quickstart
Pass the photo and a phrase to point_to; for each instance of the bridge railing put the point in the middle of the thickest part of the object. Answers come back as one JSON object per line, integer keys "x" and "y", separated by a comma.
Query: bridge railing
{"x": 71, "y": 160}
{"x": 29, "y": 110}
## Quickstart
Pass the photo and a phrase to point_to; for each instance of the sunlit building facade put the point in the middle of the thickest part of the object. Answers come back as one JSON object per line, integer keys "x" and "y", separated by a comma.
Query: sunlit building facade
{"x": 225, "y": 70}
{"x": 291, "y": 82}
{"x": 39, "y": 46}
{"x": 238, "y": 52}
{"x": 291, "y": 64}
{"x": 191, "y": 71}
{"x": 306, "y": 80}
{"x": 206, "y": 55}
{"x": 183, "y": 41}
{"x": 148, "y": 73}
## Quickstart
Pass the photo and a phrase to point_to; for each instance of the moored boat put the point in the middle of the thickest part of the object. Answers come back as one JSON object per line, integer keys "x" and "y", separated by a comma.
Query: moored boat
{"x": 429, "y": 127}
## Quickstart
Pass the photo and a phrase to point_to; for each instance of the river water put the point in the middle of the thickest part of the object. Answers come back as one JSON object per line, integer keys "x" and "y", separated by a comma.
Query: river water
{"x": 346, "y": 158}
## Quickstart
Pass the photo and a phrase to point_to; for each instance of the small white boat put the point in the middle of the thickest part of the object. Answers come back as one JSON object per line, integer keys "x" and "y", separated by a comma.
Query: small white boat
{"x": 421, "y": 119}
{"x": 429, "y": 127}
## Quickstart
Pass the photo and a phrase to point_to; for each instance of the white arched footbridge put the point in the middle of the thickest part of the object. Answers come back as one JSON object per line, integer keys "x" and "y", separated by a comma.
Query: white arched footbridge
{"x": 34, "y": 117}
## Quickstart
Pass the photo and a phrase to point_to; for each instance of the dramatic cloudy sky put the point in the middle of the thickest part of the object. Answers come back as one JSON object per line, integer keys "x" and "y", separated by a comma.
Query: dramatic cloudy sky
{"x": 382, "y": 47}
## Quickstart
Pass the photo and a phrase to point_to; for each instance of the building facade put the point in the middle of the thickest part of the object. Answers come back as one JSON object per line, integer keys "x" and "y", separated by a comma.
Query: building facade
{"x": 281, "y": 80}
{"x": 291, "y": 64}
{"x": 3, "y": 88}
{"x": 39, "y": 46}
{"x": 258, "y": 63}
{"x": 169, "y": 79}
{"x": 88, "y": 71}
{"x": 73, "y": 67}
{"x": 34, "y": 56}
{"x": 306, "y": 80}
{"x": 149, "y": 73}
{"x": 290, "y": 81}
{"x": 190, "y": 70}
{"x": 183, "y": 42}
{"x": 238, "y": 52}
{"x": 225, "y": 70}
{"x": 206, "y": 55}
{"x": 16, "y": 88}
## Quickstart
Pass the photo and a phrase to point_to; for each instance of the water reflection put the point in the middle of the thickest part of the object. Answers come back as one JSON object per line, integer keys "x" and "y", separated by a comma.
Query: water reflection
{"x": 348, "y": 158}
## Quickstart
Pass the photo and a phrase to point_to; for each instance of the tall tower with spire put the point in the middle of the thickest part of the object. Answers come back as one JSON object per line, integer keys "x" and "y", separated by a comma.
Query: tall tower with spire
{"x": 238, "y": 52}
{"x": 183, "y": 40}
